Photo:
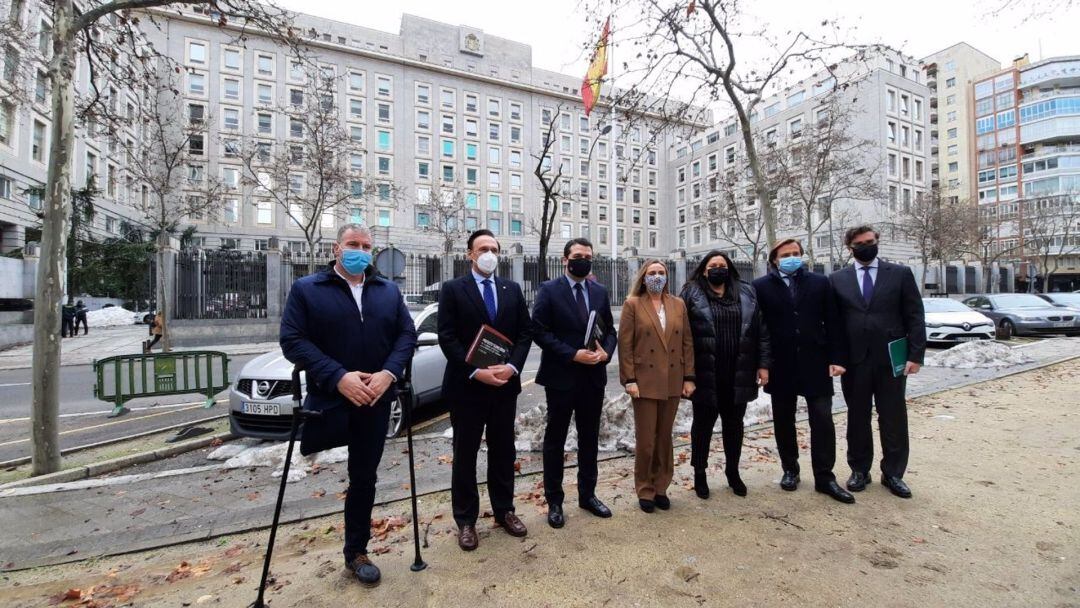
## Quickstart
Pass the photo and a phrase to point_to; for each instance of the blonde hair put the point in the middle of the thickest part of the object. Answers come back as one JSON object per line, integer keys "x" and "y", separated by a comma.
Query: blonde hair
{"x": 638, "y": 286}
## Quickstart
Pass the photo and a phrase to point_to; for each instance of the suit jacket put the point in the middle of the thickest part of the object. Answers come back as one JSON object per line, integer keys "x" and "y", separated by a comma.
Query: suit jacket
{"x": 461, "y": 313}
{"x": 894, "y": 311}
{"x": 657, "y": 360}
{"x": 808, "y": 326}
{"x": 323, "y": 332}
{"x": 559, "y": 331}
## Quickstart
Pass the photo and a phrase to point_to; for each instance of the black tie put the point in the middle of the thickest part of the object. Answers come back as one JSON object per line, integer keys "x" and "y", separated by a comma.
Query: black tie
{"x": 579, "y": 295}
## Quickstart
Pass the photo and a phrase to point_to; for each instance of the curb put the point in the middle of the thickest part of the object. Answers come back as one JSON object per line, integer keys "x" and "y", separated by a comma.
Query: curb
{"x": 108, "y": 466}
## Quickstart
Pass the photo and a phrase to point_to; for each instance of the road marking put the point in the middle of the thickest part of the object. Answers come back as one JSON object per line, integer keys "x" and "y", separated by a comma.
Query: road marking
{"x": 15, "y": 384}
{"x": 106, "y": 481}
{"x": 134, "y": 409}
{"x": 104, "y": 424}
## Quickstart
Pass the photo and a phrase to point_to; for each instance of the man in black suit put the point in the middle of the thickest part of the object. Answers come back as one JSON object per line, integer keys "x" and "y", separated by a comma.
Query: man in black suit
{"x": 800, "y": 311}
{"x": 879, "y": 303}
{"x": 485, "y": 397}
{"x": 573, "y": 374}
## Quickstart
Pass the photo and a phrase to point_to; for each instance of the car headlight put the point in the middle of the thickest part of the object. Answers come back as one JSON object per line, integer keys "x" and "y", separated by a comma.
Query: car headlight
{"x": 933, "y": 324}
{"x": 1029, "y": 318}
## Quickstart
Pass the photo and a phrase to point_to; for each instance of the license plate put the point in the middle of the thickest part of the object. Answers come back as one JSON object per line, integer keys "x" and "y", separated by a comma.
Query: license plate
{"x": 1063, "y": 324}
{"x": 968, "y": 339}
{"x": 261, "y": 409}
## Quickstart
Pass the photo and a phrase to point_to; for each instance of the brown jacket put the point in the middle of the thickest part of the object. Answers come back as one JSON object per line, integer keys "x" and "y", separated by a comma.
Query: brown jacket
{"x": 658, "y": 361}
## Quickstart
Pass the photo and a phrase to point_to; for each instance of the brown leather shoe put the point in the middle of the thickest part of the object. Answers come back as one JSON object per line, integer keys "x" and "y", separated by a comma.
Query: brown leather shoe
{"x": 467, "y": 538}
{"x": 512, "y": 525}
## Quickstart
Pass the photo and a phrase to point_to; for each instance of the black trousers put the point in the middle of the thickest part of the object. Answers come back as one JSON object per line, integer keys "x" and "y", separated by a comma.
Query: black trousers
{"x": 367, "y": 435}
{"x": 731, "y": 415}
{"x": 866, "y": 386}
{"x": 822, "y": 435}
{"x": 67, "y": 328}
{"x": 470, "y": 414}
{"x": 585, "y": 403}
{"x": 85, "y": 326}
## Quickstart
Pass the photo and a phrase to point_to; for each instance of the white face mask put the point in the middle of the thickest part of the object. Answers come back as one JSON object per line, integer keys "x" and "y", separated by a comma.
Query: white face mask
{"x": 487, "y": 262}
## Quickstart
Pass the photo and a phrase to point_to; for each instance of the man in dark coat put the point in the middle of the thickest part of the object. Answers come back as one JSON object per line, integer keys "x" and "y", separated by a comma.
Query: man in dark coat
{"x": 879, "y": 303}
{"x": 350, "y": 331}
{"x": 800, "y": 311}
{"x": 573, "y": 374}
{"x": 483, "y": 398}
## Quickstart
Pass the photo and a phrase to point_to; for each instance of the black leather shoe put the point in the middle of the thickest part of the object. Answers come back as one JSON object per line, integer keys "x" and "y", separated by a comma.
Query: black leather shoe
{"x": 662, "y": 502}
{"x": 857, "y": 482}
{"x": 790, "y": 481}
{"x": 896, "y": 486}
{"x": 594, "y": 506}
{"x": 701, "y": 484}
{"x": 833, "y": 489}
{"x": 556, "y": 519}
{"x": 646, "y": 505}
{"x": 736, "y": 483}
{"x": 366, "y": 572}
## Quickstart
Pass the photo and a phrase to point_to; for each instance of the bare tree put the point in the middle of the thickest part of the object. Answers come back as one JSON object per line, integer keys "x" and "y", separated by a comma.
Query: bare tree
{"x": 1051, "y": 228}
{"x": 318, "y": 169}
{"x": 445, "y": 205}
{"x": 108, "y": 34}
{"x": 167, "y": 156}
{"x": 737, "y": 216}
{"x": 935, "y": 227}
{"x": 550, "y": 178}
{"x": 820, "y": 166}
{"x": 705, "y": 48}
{"x": 988, "y": 239}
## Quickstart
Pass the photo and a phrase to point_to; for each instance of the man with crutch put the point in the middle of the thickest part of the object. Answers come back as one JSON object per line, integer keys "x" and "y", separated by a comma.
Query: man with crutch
{"x": 351, "y": 333}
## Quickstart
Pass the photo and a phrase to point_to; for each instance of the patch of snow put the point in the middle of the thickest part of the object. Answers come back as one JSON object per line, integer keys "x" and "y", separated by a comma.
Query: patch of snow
{"x": 110, "y": 317}
{"x": 971, "y": 355}
{"x": 273, "y": 455}
{"x": 228, "y": 450}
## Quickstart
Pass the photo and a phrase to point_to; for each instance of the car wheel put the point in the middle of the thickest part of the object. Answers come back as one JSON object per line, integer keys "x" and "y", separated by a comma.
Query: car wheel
{"x": 397, "y": 416}
{"x": 1007, "y": 330}
{"x": 148, "y": 319}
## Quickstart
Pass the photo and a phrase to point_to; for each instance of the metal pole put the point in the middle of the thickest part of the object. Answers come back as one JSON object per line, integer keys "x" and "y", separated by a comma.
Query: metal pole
{"x": 407, "y": 405}
{"x": 612, "y": 166}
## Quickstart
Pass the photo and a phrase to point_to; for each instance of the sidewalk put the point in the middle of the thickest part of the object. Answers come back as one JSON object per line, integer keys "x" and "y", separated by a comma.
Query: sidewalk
{"x": 108, "y": 341}
{"x": 71, "y": 522}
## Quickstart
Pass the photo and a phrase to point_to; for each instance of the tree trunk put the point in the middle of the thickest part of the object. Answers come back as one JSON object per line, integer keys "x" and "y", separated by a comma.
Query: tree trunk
{"x": 809, "y": 245}
{"x": 162, "y": 293}
{"x": 51, "y": 272}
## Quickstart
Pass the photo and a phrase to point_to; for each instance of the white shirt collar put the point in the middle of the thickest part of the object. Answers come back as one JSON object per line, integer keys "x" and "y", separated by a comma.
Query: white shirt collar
{"x": 873, "y": 264}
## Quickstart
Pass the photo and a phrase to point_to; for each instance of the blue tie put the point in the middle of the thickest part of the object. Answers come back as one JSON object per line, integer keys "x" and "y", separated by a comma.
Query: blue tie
{"x": 489, "y": 299}
{"x": 582, "y": 309}
{"x": 867, "y": 284}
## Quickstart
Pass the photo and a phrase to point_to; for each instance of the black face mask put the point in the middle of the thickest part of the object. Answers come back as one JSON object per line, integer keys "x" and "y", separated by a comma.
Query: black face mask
{"x": 866, "y": 253}
{"x": 717, "y": 276}
{"x": 579, "y": 267}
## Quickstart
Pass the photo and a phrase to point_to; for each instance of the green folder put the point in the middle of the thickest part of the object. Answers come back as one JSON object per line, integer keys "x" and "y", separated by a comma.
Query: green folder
{"x": 898, "y": 356}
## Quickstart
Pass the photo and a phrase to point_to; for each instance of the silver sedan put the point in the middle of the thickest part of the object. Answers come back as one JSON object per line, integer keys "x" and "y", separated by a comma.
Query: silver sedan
{"x": 260, "y": 400}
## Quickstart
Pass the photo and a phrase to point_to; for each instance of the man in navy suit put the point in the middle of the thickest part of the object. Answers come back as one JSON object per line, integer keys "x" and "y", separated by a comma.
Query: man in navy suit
{"x": 879, "y": 303}
{"x": 350, "y": 331}
{"x": 800, "y": 311}
{"x": 482, "y": 398}
{"x": 573, "y": 374}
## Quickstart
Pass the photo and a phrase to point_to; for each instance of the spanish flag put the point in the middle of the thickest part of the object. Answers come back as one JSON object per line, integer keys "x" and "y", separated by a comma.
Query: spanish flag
{"x": 590, "y": 86}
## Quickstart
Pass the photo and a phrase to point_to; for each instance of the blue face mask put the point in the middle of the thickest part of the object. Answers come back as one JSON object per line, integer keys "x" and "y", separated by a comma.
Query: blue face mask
{"x": 355, "y": 261}
{"x": 789, "y": 265}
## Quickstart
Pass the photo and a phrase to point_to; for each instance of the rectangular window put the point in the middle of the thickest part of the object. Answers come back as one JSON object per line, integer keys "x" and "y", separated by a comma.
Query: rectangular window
{"x": 264, "y": 213}
{"x": 448, "y": 148}
{"x": 385, "y": 142}
{"x": 384, "y": 112}
{"x": 423, "y": 93}
{"x": 230, "y": 59}
{"x": 384, "y": 165}
{"x": 356, "y": 108}
{"x": 230, "y": 118}
{"x": 384, "y": 216}
{"x": 447, "y": 99}
{"x": 264, "y": 64}
{"x": 264, "y": 93}
{"x": 384, "y": 85}
{"x": 37, "y": 142}
{"x": 472, "y": 103}
{"x": 197, "y": 52}
{"x": 197, "y": 83}
{"x": 230, "y": 89}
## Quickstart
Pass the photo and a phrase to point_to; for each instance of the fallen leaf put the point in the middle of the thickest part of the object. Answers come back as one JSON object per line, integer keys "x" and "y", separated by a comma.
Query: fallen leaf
{"x": 137, "y": 512}
{"x": 318, "y": 493}
{"x": 446, "y": 459}
{"x": 252, "y": 496}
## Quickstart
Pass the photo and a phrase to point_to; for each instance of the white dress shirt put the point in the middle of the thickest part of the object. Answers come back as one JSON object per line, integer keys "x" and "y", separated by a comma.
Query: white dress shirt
{"x": 859, "y": 272}
{"x": 357, "y": 291}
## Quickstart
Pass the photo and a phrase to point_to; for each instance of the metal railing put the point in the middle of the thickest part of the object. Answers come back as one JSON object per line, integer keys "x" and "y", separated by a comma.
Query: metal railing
{"x": 121, "y": 378}
{"x": 220, "y": 284}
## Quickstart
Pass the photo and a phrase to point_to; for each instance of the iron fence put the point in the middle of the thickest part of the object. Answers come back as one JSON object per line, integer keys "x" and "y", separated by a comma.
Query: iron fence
{"x": 220, "y": 284}
{"x": 422, "y": 278}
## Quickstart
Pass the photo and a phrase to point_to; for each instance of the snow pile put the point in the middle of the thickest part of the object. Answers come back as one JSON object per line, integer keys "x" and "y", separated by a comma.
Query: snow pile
{"x": 617, "y": 424}
{"x": 110, "y": 317}
{"x": 970, "y": 355}
{"x": 253, "y": 453}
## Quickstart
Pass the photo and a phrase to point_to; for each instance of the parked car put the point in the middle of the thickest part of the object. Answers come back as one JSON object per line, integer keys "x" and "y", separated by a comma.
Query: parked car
{"x": 144, "y": 318}
{"x": 950, "y": 321}
{"x": 1018, "y": 314}
{"x": 1063, "y": 300}
{"x": 260, "y": 400}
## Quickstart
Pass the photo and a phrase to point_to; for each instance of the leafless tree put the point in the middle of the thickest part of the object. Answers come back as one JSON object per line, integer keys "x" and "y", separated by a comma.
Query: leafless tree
{"x": 935, "y": 227}
{"x": 550, "y": 176}
{"x": 1051, "y": 228}
{"x": 446, "y": 205}
{"x": 988, "y": 238}
{"x": 705, "y": 47}
{"x": 108, "y": 34}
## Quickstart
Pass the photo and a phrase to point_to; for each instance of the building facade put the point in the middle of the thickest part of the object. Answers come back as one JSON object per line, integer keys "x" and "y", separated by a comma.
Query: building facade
{"x": 1026, "y": 123}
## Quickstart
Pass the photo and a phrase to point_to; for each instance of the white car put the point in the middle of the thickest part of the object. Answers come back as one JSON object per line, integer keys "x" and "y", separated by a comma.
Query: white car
{"x": 950, "y": 321}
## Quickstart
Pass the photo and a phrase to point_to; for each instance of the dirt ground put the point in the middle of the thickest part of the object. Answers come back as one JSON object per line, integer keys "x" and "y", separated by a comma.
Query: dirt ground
{"x": 994, "y": 522}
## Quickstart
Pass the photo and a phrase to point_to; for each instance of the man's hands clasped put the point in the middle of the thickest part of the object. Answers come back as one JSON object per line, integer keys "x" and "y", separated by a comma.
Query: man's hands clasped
{"x": 363, "y": 388}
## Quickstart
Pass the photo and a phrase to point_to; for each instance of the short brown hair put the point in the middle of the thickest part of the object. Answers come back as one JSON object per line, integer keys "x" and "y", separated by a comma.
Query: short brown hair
{"x": 856, "y": 231}
{"x": 784, "y": 243}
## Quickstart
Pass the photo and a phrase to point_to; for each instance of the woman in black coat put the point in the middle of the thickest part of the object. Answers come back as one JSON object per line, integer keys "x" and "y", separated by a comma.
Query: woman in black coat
{"x": 731, "y": 359}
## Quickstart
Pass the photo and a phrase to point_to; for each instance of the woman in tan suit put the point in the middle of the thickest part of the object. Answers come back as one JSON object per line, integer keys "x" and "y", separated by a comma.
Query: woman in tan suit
{"x": 656, "y": 363}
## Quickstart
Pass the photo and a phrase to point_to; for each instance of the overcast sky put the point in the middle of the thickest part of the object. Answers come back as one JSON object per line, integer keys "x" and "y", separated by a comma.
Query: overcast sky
{"x": 557, "y": 32}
